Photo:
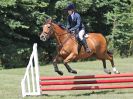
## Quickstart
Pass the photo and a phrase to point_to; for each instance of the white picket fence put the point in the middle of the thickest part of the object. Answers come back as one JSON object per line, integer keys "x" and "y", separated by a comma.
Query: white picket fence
{"x": 30, "y": 83}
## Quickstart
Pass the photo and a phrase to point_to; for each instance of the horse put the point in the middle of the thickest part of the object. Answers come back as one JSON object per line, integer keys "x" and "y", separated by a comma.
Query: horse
{"x": 67, "y": 47}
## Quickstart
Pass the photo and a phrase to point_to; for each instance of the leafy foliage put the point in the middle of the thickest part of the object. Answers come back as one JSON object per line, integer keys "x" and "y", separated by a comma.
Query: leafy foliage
{"x": 121, "y": 19}
{"x": 21, "y": 21}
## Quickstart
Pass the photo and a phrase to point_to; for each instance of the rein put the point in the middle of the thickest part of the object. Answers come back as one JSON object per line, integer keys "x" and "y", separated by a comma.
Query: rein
{"x": 60, "y": 45}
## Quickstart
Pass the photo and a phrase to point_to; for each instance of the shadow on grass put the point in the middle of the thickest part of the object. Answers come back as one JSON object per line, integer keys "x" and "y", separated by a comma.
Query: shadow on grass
{"x": 83, "y": 94}
{"x": 125, "y": 92}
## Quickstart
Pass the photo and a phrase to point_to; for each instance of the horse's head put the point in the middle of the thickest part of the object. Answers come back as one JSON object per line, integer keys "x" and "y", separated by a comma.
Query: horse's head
{"x": 47, "y": 30}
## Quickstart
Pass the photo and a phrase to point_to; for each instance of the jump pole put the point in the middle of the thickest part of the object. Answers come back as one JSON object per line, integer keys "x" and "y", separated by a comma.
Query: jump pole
{"x": 87, "y": 76}
{"x": 46, "y": 83}
{"x": 86, "y": 88}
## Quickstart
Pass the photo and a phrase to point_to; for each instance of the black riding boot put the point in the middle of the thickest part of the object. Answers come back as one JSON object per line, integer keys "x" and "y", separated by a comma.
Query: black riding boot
{"x": 87, "y": 49}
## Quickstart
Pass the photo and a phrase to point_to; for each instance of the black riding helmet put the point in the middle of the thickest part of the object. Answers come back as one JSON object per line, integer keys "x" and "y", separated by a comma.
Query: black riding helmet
{"x": 70, "y": 6}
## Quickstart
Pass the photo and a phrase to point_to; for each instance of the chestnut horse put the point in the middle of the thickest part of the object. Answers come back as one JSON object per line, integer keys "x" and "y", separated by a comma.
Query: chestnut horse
{"x": 67, "y": 45}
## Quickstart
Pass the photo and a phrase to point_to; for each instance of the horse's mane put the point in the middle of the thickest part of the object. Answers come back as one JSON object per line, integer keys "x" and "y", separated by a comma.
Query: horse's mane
{"x": 57, "y": 23}
{"x": 61, "y": 26}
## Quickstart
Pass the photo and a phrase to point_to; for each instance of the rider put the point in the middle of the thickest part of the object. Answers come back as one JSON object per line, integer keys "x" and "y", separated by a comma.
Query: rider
{"x": 74, "y": 24}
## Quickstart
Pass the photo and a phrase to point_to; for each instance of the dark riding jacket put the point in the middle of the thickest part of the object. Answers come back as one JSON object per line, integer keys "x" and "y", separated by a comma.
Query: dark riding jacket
{"x": 75, "y": 23}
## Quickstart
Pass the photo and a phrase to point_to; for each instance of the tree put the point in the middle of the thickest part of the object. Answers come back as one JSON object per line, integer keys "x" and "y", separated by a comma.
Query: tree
{"x": 20, "y": 23}
{"x": 121, "y": 19}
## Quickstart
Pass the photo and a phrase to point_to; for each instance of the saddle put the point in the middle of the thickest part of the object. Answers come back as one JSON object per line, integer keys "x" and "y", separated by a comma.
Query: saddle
{"x": 79, "y": 42}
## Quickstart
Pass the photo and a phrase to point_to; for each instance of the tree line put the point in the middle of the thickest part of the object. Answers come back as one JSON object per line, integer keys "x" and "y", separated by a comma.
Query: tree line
{"x": 21, "y": 22}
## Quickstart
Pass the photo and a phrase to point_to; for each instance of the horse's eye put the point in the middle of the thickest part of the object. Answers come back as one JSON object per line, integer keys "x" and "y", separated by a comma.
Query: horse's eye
{"x": 49, "y": 27}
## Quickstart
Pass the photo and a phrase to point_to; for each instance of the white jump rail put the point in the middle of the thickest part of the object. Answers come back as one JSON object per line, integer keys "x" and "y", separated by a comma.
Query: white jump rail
{"x": 30, "y": 83}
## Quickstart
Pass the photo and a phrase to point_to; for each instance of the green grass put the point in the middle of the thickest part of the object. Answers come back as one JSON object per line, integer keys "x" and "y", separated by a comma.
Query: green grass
{"x": 10, "y": 81}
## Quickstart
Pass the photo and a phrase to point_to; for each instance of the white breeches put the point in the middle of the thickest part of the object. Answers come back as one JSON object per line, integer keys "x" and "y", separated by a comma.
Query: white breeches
{"x": 81, "y": 34}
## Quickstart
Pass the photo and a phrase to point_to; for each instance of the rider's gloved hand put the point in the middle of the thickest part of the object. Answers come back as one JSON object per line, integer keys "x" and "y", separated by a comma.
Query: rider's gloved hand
{"x": 72, "y": 31}
{"x": 68, "y": 31}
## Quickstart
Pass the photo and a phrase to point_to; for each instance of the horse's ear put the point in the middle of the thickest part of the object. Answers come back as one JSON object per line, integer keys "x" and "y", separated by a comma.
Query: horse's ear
{"x": 49, "y": 20}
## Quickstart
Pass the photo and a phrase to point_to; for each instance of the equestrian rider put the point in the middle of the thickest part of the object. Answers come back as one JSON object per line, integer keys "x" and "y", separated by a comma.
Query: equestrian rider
{"x": 74, "y": 24}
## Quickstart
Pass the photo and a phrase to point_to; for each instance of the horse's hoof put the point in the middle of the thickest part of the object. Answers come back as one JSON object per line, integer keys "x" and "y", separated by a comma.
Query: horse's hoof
{"x": 107, "y": 71}
{"x": 116, "y": 72}
{"x": 60, "y": 72}
{"x": 73, "y": 71}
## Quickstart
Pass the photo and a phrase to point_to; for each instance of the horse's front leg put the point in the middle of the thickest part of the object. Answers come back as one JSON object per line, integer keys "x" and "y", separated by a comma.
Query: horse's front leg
{"x": 55, "y": 61}
{"x": 68, "y": 59}
{"x": 70, "y": 69}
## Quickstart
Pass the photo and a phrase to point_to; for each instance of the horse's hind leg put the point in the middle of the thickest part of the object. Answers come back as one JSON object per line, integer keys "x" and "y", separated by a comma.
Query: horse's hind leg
{"x": 105, "y": 68}
{"x": 113, "y": 66}
{"x": 55, "y": 61}
{"x": 110, "y": 58}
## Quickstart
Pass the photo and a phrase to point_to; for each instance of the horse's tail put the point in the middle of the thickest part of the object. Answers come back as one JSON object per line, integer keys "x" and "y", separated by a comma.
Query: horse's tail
{"x": 110, "y": 53}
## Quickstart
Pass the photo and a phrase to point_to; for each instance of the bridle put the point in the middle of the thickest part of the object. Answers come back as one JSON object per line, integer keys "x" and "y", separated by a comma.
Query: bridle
{"x": 60, "y": 44}
{"x": 51, "y": 31}
{"x": 46, "y": 34}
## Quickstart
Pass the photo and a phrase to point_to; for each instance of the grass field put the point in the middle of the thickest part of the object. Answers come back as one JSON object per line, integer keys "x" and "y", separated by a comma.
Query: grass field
{"x": 10, "y": 81}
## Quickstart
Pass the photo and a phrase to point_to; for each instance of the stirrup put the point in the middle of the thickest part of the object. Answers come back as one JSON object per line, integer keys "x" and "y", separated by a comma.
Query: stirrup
{"x": 88, "y": 50}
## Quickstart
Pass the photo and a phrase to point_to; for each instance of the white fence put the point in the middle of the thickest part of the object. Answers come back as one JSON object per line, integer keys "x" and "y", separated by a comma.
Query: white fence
{"x": 30, "y": 83}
